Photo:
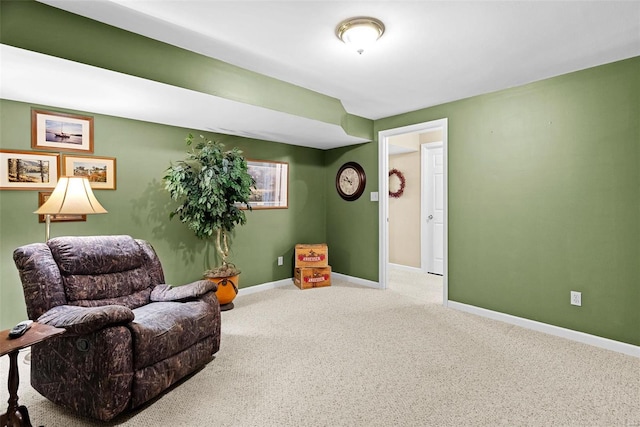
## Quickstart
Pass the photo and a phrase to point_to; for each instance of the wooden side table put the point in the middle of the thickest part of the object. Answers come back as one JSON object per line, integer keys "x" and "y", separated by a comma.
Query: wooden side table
{"x": 18, "y": 415}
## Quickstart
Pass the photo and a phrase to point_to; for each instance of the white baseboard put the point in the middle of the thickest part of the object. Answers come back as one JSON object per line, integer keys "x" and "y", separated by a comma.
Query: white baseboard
{"x": 286, "y": 282}
{"x": 357, "y": 280}
{"x": 406, "y": 268}
{"x": 264, "y": 287}
{"x": 608, "y": 344}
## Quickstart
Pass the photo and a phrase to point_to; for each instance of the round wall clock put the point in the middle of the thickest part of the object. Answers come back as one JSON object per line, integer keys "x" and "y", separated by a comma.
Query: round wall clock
{"x": 350, "y": 181}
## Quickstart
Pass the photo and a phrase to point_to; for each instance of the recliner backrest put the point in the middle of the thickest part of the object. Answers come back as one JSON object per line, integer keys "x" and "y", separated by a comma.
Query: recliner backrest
{"x": 87, "y": 271}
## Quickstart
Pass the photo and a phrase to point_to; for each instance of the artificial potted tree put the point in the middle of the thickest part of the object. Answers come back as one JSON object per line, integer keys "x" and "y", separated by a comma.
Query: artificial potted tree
{"x": 211, "y": 185}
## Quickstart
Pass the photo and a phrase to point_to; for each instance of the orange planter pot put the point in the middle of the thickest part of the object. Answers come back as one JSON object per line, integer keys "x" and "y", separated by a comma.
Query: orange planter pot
{"x": 227, "y": 290}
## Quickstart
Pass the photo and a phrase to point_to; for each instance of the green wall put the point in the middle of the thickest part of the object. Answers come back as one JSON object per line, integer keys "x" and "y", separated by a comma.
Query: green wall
{"x": 140, "y": 206}
{"x": 544, "y": 198}
{"x": 352, "y": 227}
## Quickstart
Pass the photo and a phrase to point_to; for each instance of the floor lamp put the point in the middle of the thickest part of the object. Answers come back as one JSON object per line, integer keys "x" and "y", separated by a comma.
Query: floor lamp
{"x": 72, "y": 196}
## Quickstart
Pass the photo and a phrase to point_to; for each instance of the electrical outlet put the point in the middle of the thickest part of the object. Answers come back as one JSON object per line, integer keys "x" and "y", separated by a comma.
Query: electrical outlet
{"x": 280, "y": 260}
{"x": 576, "y": 298}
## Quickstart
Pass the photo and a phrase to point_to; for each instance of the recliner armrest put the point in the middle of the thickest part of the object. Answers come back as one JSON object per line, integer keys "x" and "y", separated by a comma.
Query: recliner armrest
{"x": 163, "y": 293}
{"x": 85, "y": 320}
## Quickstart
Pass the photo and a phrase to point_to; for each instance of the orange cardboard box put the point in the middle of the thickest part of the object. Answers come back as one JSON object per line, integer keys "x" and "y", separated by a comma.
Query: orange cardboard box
{"x": 312, "y": 255}
{"x": 310, "y": 277}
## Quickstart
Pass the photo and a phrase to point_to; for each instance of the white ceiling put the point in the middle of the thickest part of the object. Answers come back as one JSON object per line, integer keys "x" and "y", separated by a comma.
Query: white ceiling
{"x": 432, "y": 51}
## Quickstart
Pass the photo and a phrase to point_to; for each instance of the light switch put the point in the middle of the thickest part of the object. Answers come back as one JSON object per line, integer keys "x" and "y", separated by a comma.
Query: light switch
{"x": 374, "y": 196}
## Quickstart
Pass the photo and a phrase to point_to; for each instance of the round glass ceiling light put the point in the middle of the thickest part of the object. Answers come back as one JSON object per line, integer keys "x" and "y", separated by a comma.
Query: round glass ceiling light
{"x": 360, "y": 32}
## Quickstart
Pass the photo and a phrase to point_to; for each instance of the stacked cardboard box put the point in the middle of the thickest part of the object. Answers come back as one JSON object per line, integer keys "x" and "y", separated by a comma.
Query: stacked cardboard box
{"x": 312, "y": 268}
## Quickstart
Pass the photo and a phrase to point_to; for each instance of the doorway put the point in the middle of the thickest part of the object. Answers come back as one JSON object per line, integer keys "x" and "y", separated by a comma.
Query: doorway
{"x": 383, "y": 168}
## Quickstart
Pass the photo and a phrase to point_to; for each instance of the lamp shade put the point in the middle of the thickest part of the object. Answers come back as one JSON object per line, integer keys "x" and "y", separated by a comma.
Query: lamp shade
{"x": 72, "y": 196}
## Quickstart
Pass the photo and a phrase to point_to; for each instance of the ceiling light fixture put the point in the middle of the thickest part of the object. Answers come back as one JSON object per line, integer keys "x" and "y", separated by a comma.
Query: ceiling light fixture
{"x": 360, "y": 32}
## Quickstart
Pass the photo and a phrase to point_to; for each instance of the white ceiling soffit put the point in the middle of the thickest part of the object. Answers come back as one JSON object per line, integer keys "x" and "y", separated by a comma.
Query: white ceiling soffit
{"x": 41, "y": 79}
{"x": 432, "y": 52}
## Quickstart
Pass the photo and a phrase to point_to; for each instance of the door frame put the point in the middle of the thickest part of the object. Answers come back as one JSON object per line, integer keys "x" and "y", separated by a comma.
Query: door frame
{"x": 425, "y": 246}
{"x": 383, "y": 208}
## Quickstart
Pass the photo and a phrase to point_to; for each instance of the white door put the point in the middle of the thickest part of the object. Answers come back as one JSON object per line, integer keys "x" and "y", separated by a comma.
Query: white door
{"x": 432, "y": 208}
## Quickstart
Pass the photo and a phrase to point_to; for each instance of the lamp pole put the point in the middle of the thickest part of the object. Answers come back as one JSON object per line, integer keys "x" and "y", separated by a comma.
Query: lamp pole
{"x": 47, "y": 226}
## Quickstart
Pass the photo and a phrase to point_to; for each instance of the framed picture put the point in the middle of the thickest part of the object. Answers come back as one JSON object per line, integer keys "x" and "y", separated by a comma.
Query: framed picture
{"x": 101, "y": 171}
{"x": 61, "y": 131}
{"x": 272, "y": 184}
{"x": 28, "y": 170}
{"x": 43, "y": 197}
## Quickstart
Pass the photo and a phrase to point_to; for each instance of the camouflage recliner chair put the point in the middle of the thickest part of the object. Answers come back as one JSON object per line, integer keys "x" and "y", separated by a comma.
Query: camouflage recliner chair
{"x": 128, "y": 335}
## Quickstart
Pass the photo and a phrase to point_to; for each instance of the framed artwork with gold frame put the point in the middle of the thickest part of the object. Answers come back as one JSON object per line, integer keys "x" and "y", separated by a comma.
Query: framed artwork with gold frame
{"x": 271, "y": 189}
{"x": 28, "y": 170}
{"x": 56, "y": 131}
{"x": 101, "y": 171}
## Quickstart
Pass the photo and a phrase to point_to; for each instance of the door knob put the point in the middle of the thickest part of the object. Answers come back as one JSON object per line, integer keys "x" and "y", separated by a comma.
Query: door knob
{"x": 430, "y": 217}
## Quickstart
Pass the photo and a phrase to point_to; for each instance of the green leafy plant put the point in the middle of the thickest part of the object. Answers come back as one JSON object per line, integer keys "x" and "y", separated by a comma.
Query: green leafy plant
{"x": 210, "y": 185}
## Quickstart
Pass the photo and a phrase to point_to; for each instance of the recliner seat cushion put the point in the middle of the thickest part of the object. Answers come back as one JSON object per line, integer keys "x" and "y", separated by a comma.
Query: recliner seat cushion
{"x": 162, "y": 329}
{"x": 103, "y": 286}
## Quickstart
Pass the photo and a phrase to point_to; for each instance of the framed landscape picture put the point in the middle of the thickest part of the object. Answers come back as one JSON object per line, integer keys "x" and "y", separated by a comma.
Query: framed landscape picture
{"x": 61, "y": 131}
{"x": 28, "y": 170}
{"x": 101, "y": 171}
{"x": 272, "y": 184}
{"x": 43, "y": 197}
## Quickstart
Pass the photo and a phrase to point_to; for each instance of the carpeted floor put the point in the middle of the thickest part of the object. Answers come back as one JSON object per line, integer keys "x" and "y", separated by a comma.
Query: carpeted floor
{"x": 427, "y": 288}
{"x": 352, "y": 356}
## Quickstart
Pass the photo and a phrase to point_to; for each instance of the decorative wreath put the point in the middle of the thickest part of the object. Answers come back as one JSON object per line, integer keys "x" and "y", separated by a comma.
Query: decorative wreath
{"x": 396, "y": 194}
